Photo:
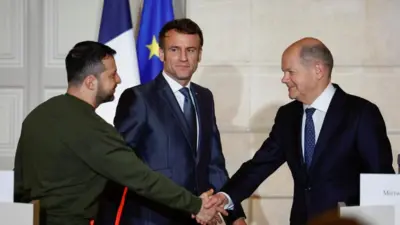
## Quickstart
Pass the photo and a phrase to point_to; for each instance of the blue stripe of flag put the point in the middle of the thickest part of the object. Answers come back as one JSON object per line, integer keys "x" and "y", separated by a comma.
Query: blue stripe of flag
{"x": 115, "y": 19}
{"x": 155, "y": 14}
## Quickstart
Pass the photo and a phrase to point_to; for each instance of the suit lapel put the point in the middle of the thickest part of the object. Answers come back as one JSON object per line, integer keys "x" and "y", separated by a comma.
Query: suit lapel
{"x": 172, "y": 104}
{"x": 331, "y": 122}
{"x": 198, "y": 101}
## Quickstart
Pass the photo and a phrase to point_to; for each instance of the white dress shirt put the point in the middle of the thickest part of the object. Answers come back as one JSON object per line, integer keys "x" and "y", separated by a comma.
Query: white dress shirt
{"x": 321, "y": 105}
{"x": 180, "y": 98}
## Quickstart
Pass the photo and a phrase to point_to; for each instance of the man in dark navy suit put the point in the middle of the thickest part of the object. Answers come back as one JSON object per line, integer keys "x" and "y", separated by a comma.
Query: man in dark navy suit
{"x": 326, "y": 136}
{"x": 170, "y": 122}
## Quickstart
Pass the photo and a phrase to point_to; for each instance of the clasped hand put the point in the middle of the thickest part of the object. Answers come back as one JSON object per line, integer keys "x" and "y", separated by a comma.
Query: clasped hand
{"x": 211, "y": 206}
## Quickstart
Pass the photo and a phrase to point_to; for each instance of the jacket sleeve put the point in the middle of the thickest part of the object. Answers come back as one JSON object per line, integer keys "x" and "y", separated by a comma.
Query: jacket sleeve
{"x": 372, "y": 141}
{"x": 107, "y": 154}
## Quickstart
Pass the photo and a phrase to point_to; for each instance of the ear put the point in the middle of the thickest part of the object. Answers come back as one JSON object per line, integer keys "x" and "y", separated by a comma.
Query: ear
{"x": 90, "y": 82}
{"x": 161, "y": 53}
{"x": 319, "y": 70}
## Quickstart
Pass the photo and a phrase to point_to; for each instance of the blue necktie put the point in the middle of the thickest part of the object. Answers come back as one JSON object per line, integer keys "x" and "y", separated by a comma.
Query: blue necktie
{"x": 309, "y": 137}
{"x": 190, "y": 116}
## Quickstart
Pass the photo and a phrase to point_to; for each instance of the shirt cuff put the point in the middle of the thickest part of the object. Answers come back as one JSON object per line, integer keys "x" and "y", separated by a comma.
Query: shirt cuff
{"x": 229, "y": 205}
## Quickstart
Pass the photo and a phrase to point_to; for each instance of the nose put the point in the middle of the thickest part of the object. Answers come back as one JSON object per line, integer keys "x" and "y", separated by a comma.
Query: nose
{"x": 183, "y": 56}
{"x": 117, "y": 79}
{"x": 285, "y": 77}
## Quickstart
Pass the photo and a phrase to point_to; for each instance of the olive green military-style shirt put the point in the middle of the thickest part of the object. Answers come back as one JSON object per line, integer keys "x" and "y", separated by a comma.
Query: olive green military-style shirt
{"x": 65, "y": 155}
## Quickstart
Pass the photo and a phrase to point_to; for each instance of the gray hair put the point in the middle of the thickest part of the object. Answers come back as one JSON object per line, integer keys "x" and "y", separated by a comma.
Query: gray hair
{"x": 317, "y": 52}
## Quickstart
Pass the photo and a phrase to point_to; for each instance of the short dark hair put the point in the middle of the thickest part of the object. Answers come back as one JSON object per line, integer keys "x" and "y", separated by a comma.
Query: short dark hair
{"x": 317, "y": 52}
{"x": 85, "y": 58}
{"x": 184, "y": 26}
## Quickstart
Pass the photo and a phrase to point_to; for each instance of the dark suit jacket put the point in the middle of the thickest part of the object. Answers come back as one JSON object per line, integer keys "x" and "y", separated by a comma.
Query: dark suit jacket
{"x": 149, "y": 118}
{"x": 352, "y": 140}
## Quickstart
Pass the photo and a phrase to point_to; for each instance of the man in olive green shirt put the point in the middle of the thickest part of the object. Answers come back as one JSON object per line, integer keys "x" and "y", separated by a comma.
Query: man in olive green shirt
{"x": 66, "y": 152}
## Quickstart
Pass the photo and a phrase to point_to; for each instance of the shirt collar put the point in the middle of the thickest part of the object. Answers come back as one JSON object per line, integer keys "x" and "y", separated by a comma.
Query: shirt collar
{"x": 323, "y": 100}
{"x": 175, "y": 86}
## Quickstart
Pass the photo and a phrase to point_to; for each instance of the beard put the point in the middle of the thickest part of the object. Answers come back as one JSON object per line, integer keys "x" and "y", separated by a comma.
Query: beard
{"x": 104, "y": 96}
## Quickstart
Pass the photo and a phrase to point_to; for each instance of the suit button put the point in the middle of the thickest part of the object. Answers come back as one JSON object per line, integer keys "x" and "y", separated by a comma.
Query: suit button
{"x": 308, "y": 188}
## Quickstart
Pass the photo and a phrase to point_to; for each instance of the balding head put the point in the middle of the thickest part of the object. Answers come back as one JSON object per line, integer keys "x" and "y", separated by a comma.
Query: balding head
{"x": 311, "y": 51}
{"x": 307, "y": 66}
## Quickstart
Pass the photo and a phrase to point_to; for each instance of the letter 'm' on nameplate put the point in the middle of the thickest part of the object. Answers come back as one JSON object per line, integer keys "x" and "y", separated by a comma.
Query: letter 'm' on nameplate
{"x": 7, "y": 186}
{"x": 379, "y": 189}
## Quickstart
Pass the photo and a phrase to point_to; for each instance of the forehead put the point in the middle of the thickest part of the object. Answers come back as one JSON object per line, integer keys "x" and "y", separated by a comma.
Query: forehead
{"x": 290, "y": 58}
{"x": 109, "y": 63}
{"x": 175, "y": 38}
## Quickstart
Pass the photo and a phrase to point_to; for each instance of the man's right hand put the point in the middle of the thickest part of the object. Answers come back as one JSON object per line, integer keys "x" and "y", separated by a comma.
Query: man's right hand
{"x": 209, "y": 210}
{"x": 218, "y": 199}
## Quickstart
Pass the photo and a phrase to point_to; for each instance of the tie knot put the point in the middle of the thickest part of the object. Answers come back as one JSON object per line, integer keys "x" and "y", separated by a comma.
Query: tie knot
{"x": 185, "y": 92}
{"x": 310, "y": 111}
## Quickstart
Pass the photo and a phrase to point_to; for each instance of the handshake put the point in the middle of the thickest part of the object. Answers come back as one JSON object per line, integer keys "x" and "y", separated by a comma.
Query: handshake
{"x": 211, "y": 206}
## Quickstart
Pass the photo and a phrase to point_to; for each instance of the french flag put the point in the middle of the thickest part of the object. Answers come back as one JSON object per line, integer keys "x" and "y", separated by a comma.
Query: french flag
{"x": 116, "y": 31}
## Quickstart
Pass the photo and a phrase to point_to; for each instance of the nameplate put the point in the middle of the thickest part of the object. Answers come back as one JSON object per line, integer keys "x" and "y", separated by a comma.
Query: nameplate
{"x": 379, "y": 189}
{"x": 17, "y": 214}
{"x": 6, "y": 186}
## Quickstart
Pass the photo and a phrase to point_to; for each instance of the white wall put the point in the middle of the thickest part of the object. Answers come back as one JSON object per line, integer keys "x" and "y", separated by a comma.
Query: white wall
{"x": 244, "y": 40}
